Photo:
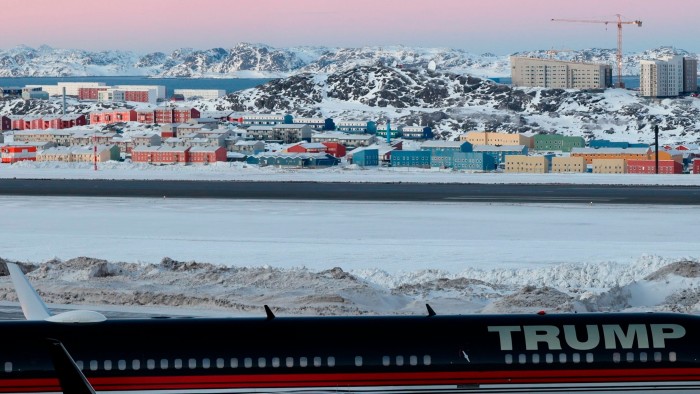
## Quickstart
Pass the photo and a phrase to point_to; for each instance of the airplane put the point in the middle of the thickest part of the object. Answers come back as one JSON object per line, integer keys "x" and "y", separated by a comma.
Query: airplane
{"x": 82, "y": 352}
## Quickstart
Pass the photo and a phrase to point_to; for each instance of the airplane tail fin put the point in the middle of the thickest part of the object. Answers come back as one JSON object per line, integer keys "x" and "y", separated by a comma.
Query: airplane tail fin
{"x": 34, "y": 308}
{"x": 32, "y": 305}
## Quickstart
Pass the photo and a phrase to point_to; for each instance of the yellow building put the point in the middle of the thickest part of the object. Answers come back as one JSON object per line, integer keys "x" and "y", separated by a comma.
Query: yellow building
{"x": 494, "y": 138}
{"x": 569, "y": 164}
{"x": 609, "y": 166}
{"x": 591, "y": 154}
{"x": 528, "y": 164}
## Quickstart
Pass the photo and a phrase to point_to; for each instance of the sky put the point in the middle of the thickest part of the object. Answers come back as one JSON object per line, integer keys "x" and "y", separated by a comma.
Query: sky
{"x": 496, "y": 26}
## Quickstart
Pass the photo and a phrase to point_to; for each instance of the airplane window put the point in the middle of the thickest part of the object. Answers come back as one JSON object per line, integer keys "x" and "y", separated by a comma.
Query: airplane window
{"x": 303, "y": 362}
{"x": 589, "y": 357}
{"x": 535, "y": 358}
{"x": 136, "y": 365}
{"x": 413, "y": 360}
{"x": 657, "y": 357}
{"x": 289, "y": 362}
{"x": 261, "y": 362}
{"x": 192, "y": 363}
{"x": 93, "y": 365}
{"x": 643, "y": 357}
{"x": 399, "y": 360}
{"x": 358, "y": 361}
{"x": 616, "y": 357}
{"x": 522, "y": 359}
{"x": 8, "y": 366}
{"x": 427, "y": 360}
{"x": 549, "y": 358}
{"x": 121, "y": 364}
{"x": 386, "y": 360}
{"x": 630, "y": 357}
{"x": 219, "y": 363}
{"x": 178, "y": 363}
{"x": 151, "y": 364}
{"x": 108, "y": 365}
{"x": 206, "y": 363}
{"x": 234, "y": 363}
{"x": 509, "y": 359}
{"x": 163, "y": 363}
{"x": 248, "y": 362}
{"x": 576, "y": 358}
{"x": 79, "y": 364}
{"x": 275, "y": 362}
{"x": 317, "y": 361}
{"x": 672, "y": 357}
{"x": 331, "y": 361}
{"x": 562, "y": 358}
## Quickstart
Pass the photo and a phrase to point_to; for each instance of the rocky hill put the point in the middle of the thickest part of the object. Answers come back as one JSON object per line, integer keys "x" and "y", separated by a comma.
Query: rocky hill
{"x": 257, "y": 60}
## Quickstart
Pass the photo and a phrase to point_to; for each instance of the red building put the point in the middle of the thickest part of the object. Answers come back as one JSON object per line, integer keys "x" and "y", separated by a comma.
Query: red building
{"x": 5, "y": 123}
{"x": 14, "y": 153}
{"x": 34, "y": 124}
{"x": 136, "y": 95}
{"x": 184, "y": 115}
{"x": 696, "y": 166}
{"x": 89, "y": 93}
{"x": 145, "y": 116}
{"x": 308, "y": 147}
{"x": 335, "y": 149}
{"x": 68, "y": 121}
{"x": 106, "y": 117}
{"x": 207, "y": 154}
{"x": 164, "y": 115}
{"x": 160, "y": 154}
{"x": 649, "y": 167}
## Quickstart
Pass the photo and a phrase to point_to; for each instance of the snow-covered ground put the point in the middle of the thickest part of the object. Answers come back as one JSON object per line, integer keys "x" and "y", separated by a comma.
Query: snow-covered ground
{"x": 344, "y": 173}
{"x": 304, "y": 257}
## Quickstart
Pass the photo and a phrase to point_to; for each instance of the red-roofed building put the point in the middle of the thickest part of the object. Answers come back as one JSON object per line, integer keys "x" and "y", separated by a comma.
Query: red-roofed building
{"x": 145, "y": 116}
{"x": 107, "y": 117}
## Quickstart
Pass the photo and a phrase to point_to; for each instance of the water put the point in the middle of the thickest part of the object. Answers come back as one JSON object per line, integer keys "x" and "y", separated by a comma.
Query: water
{"x": 227, "y": 84}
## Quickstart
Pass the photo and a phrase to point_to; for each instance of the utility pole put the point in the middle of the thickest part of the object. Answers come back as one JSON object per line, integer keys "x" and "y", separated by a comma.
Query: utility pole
{"x": 656, "y": 147}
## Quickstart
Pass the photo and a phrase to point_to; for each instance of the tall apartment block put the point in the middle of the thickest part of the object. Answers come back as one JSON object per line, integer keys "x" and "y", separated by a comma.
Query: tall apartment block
{"x": 549, "y": 73}
{"x": 668, "y": 76}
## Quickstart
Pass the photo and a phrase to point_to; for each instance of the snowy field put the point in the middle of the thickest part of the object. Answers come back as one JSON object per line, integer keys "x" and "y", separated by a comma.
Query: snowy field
{"x": 232, "y": 256}
{"x": 343, "y": 173}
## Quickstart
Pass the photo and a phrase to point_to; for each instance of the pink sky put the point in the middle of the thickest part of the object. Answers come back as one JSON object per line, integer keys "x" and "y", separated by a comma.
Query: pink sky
{"x": 498, "y": 26}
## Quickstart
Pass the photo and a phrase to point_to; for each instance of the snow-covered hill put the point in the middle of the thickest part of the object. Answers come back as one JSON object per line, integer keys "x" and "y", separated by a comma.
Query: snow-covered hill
{"x": 258, "y": 60}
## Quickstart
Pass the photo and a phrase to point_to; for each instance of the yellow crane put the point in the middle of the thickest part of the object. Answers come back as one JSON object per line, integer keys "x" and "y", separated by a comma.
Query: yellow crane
{"x": 619, "y": 23}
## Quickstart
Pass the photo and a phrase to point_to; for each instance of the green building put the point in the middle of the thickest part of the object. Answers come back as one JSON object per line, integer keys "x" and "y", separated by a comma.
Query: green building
{"x": 557, "y": 142}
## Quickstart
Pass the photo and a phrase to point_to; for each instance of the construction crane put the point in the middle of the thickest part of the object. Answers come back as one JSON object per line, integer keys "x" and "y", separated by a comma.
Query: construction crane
{"x": 619, "y": 22}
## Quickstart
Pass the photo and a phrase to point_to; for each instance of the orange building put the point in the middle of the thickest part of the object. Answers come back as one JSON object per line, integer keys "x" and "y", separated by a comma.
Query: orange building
{"x": 591, "y": 154}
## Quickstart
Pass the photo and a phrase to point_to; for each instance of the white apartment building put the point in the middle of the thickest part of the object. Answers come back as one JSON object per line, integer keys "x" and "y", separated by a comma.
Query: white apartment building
{"x": 206, "y": 94}
{"x": 550, "y": 73}
{"x": 71, "y": 87}
{"x": 662, "y": 77}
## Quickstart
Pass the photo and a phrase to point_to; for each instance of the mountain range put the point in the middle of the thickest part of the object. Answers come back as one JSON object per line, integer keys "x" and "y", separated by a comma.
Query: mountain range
{"x": 258, "y": 60}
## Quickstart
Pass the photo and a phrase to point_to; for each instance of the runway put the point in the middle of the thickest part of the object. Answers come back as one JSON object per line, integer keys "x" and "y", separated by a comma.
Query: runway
{"x": 662, "y": 195}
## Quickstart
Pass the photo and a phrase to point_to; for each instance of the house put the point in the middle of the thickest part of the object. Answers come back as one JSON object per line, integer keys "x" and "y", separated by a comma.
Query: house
{"x": 207, "y": 154}
{"x": 649, "y": 167}
{"x": 527, "y": 164}
{"x": 160, "y": 154}
{"x": 609, "y": 166}
{"x": 292, "y": 133}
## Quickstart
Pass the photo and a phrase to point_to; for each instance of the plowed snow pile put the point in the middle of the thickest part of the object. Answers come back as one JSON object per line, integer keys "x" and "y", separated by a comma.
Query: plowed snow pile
{"x": 203, "y": 289}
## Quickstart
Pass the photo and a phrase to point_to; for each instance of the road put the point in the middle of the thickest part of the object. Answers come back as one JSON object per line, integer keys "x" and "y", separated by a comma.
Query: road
{"x": 671, "y": 195}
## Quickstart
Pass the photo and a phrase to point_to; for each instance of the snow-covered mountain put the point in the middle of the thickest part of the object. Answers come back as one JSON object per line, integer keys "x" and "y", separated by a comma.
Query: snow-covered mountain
{"x": 258, "y": 60}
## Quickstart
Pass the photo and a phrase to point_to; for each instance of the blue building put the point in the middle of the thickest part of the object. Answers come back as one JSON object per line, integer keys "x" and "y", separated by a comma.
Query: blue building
{"x": 499, "y": 152}
{"x": 615, "y": 144}
{"x": 356, "y": 127}
{"x": 410, "y": 158}
{"x": 476, "y": 161}
{"x": 366, "y": 157}
{"x": 442, "y": 151}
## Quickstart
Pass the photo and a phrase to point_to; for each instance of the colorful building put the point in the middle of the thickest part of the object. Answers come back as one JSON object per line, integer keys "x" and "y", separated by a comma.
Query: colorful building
{"x": 569, "y": 164}
{"x": 591, "y": 154}
{"x": 364, "y": 157}
{"x": 13, "y": 153}
{"x": 527, "y": 164}
{"x": 557, "y": 142}
{"x": 649, "y": 167}
{"x": 410, "y": 158}
{"x": 609, "y": 166}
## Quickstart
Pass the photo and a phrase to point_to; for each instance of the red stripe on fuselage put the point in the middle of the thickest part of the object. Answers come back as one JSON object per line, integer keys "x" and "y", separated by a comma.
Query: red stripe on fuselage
{"x": 363, "y": 379}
